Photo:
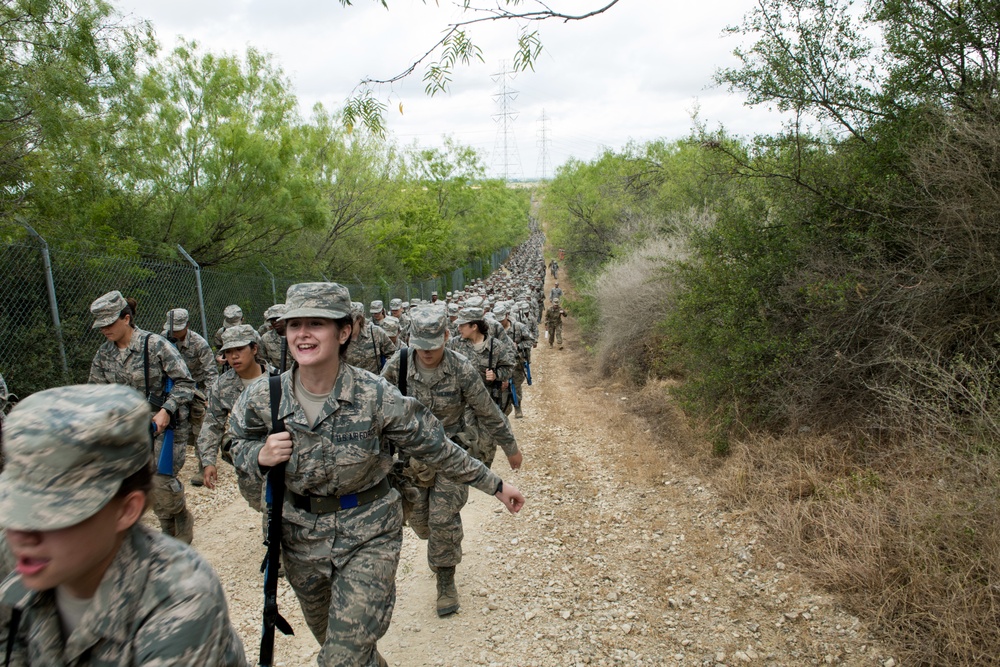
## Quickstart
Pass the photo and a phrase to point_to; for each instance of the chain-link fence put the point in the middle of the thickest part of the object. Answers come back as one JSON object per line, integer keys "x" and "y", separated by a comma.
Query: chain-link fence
{"x": 46, "y": 338}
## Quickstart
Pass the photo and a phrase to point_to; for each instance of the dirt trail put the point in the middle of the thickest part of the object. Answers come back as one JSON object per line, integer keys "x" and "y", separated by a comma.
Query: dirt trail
{"x": 621, "y": 556}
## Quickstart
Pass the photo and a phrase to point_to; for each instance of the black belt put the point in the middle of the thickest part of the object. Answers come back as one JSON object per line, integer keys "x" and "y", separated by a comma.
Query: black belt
{"x": 328, "y": 504}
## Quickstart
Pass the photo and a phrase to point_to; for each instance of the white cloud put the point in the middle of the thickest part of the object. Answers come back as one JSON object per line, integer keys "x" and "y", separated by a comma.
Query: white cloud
{"x": 635, "y": 72}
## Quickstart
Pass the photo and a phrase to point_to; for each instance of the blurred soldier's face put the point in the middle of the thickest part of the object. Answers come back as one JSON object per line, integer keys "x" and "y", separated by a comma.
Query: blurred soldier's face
{"x": 378, "y": 317}
{"x": 78, "y": 556}
{"x": 430, "y": 358}
{"x": 279, "y": 326}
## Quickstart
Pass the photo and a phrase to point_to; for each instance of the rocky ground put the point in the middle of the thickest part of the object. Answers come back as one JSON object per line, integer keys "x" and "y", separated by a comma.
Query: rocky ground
{"x": 622, "y": 555}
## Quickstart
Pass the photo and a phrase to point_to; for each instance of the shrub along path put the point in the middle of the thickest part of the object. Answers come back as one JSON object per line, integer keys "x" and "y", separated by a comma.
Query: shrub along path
{"x": 622, "y": 555}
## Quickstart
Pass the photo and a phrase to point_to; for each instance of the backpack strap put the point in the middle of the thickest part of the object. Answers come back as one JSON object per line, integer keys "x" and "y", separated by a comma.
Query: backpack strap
{"x": 404, "y": 356}
{"x": 145, "y": 364}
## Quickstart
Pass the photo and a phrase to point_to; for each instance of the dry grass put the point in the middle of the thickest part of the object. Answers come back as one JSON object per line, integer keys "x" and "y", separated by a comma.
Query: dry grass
{"x": 911, "y": 539}
{"x": 634, "y": 295}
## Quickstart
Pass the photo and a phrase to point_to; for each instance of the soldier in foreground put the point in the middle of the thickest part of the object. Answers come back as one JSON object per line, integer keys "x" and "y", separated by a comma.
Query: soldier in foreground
{"x": 92, "y": 586}
{"x": 146, "y": 362}
{"x": 449, "y": 385}
{"x": 343, "y": 522}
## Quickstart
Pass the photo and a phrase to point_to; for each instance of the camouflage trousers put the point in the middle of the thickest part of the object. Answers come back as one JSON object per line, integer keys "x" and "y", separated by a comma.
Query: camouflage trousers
{"x": 346, "y": 594}
{"x": 168, "y": 500}
{"x": 196, "y": 417}
{"x": 518, "y": 380}
{"x": 555, "y": 333}
{"x": 437, "y": 518}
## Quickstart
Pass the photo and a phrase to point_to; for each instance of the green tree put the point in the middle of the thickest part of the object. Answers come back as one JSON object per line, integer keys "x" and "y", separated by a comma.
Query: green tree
{"x": 68, "y": 69}
{"x": 220, "y": 157}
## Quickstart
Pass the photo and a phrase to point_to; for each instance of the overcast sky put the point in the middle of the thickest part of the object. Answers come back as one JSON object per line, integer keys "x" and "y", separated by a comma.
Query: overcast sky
{"x": 636, "y": 72}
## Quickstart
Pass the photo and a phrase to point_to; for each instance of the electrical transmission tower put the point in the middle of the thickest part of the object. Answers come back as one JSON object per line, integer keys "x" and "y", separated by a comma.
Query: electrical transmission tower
{"x": 543, "y": 147}
{"x": 506, "y": 160}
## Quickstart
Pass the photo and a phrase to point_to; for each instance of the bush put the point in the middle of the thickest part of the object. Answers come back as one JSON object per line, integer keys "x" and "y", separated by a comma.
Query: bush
{"x": 633, "y": 295}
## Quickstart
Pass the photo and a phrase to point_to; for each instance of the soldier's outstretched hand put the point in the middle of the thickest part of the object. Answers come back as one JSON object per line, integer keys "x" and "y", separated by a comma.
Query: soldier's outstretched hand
{"x": 511, "y": 498}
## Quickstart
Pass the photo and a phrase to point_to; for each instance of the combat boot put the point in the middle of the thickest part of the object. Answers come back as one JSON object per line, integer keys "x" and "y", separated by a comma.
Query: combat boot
{"x": 517, "y": 412}
{"x": 184, "y": 526}
{"x": 199, "y": 479}
{"x": 447, "y": 602}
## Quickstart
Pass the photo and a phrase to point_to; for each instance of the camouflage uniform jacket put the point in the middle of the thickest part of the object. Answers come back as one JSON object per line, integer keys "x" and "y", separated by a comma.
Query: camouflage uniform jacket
{"x": 458, "y": 387}
{"x": 497, "y": 330}
{"x": 503, "y": 356}
{"x": 553, "y": 316}
{"x": 347, "y": 451}
{"x": 270, "y": 348}
{"x": 159, "y": 604}
{"x": 372, "y": 346}
{"x": 164, "y": 360}
{"x": 522, "y": 338}
{"x": 215, "y": 433}
{"x": 199, "y": 359}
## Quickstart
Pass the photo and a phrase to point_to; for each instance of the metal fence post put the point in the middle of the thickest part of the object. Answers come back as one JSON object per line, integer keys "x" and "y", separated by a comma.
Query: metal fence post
{"x": 274, "y": 290}
{"x": 50, "y": 286}
{"x": 197, "y": 282}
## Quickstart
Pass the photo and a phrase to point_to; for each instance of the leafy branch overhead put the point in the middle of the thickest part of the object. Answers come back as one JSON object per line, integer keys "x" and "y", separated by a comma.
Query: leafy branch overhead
{"x": 456, "y": 47}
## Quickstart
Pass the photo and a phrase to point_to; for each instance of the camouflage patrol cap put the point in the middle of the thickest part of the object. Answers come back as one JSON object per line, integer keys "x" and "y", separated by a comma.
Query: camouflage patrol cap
{"x": 376, "y": 307}
{"x": 428, "y": 325}
{"x": 357, "y": 309}
{"x": 238, "y": 336}
{"x": 329, "y": 301}
{"x": 406, "y": 305}
{"x": 106, "y": 309}
{"x": 474, "y": 302}
{"x": 395, "y": 304}
{"x": 68, "y": 450}
{"x": 275, "y": 311}
{"x": 453, "y": 309}
{"x": 470, "y": 314}
{"x": 232, "y": 316}
{"x": 501, "y": 310}
{"x": 391, "y": 325}
{"x": 181, "y": 319}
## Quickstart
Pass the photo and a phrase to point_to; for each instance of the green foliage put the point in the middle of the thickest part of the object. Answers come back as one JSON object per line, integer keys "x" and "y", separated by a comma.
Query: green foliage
{"x": 67, "y": 68}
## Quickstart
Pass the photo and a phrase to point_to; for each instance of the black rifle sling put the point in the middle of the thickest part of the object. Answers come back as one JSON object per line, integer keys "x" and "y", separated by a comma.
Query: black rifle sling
{"x": 12, "y": 628}
{"x": 371, "y": 332}
{"x": 276, "y": 482}
{"x": 403, "y": 368}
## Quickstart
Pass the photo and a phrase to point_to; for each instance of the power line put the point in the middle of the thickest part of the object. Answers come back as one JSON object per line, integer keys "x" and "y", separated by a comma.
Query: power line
{"x": 506, "y": 160}
{"x": 543, "y": 143}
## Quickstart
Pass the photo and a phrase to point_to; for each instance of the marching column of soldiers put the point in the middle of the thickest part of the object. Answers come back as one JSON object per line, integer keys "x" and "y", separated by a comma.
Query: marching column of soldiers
{"x": 383, "y": 418}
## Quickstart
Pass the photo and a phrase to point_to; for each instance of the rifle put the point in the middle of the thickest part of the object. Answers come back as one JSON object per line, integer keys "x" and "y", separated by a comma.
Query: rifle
{"x": 275, "y": 501}
{"x": 527, "y": 372}
{"x": 513, "y": 395}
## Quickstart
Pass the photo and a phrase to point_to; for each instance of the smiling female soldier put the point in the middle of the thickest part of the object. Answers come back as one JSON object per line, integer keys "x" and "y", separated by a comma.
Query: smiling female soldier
{"x": 343, "y": 524}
